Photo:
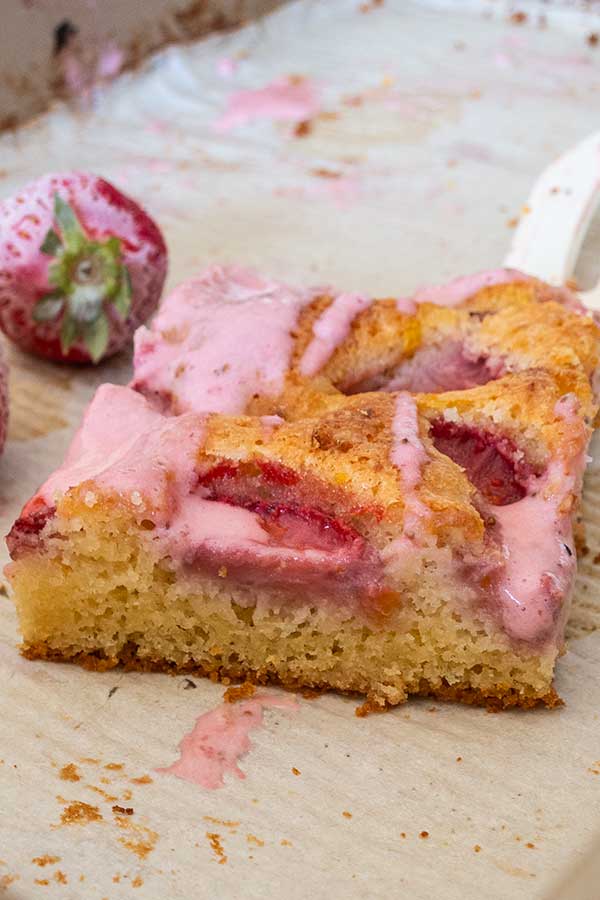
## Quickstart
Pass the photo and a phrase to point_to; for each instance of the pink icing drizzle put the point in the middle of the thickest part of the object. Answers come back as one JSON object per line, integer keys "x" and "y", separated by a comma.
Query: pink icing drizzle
{"x": 540, "y": 570}
{"x": 332, "y": 327}
{"x": 126, "y": 446}
{"x": 219, "y": 738}
{"x": 460, "y": 289}
{"x": 219, "y": 339}
{"x": 285, "y": 99}
{"x": 408, "y": 455}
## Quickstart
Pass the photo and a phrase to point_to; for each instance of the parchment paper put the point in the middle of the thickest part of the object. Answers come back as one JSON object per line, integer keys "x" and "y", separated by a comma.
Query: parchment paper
{"x": 435, "y": 125}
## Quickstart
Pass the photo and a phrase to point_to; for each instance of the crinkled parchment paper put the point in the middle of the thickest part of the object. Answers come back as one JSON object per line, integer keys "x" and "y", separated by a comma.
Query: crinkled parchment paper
{"x": 433, "y": 126}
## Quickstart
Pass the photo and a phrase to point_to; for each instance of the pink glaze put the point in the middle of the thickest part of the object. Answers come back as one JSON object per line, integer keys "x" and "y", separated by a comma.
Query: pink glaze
{"x": 409, "y": 456}
{"x": 124, "y": 445}
{"x": 456, "y": 292}
{"x": 536, "y": 532}
{"x": 287, "y": 99}
{"x": 217, "y": 340}
{"x": 219, "y": 738}
{"x": 408, "y": 453}
{"x": 330, "y": 330}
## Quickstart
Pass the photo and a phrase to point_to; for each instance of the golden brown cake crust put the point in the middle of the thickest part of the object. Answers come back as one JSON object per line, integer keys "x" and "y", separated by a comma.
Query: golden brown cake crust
{"x": 502, "y": 698}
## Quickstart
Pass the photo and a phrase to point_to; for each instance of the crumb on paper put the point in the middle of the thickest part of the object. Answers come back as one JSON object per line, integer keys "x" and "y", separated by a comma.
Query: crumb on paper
{"x": 477, "y": 848}
{"x": 123, "y": 810}
{"x": 127, "y": 795}
{"x": 239, "y": 692}
{"x": 60, "y": 877}
{"x": 530, "y": 845}
{"x": 142, "y": 779}
{"x": 424, "y": 835}
{"x": 188, "y": 684}
{"x": 512, "y": 223}
{"x": 41, "y": 881}
{"x": 296, "y": 771}
{"x": 303, "y": 129}
{"x": 325, "y": 173}
{"x": 141, "y": 840}
{"x": 114, "y": 767}
{"x": 285, "y": 843}
{"x": 226, "y": 823}
{"x": 518, "y": 18}
{"x": 137, "y": 882}
{"x": 45, "y": 860}
{"x": 346, "y": 814}
{"x": 69, "y": 773}
{"x": 459, "y": 759}
{"x": 252, "y": 839}
{"x": 80, "y": 813}
{"x": 593, "y": 39}
{"x": 110, "y": 798}
{"x": 214, "y": 840}
{"x": 402, "y": 834}
{"x": 89, "y": 760}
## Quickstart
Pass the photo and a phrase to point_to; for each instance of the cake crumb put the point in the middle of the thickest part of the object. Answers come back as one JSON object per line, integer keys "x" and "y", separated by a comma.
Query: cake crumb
{"x": 123, "y": 810}
{"x": 80, "y": 813}
{"x": 402, "y": 834}
{"x": 296, "y": 771}
{"x": 252, "y": 839}
{"x": 459, "y": 759}
{"x": 530, "y": 845}
{"x": 114, "y": 767}
{"x": 593, "y": 39}
{"x": 40, "y": 881}
{"x": 45, "y": 860}
{"x": 424, "y": 834}
{"x": 346, "y": 814}
{"x": 214, "y": 840}
{"x": 60, "y": 877}
{"x": 226, "y": 823}
{"x": 518, "y": 18}
{"x": 303, "y": 129}
{"x": 477, "y": 848}
{"x": 285, "y": 843}
{"x": 239, "y": 692}
{"x": 137, "y": 882}
{"x": 143, "y": 779}
{"x": 69, "y": 773}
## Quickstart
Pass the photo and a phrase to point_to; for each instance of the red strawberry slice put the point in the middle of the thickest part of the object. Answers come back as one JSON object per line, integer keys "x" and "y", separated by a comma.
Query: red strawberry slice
{"x": 492, "y": 462}
{"x": 81, "y": 266}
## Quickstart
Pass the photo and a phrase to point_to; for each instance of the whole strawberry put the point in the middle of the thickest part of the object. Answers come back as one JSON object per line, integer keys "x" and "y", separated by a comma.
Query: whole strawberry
{"x": 81, "y": 266}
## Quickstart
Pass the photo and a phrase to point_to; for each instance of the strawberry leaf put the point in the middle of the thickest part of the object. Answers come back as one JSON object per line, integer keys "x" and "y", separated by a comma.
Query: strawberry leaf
{"x": 72, "y": 232}
{"x": 51, "y": 243}
{"x": 95, "y": 337}
{"x": 68, "y": 334}
{"x": 48, "y": 308}
{"x": 122, "y": 299}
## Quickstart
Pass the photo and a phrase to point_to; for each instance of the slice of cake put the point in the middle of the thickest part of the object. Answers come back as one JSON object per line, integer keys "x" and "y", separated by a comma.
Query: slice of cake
{"x": 325, "y": 490}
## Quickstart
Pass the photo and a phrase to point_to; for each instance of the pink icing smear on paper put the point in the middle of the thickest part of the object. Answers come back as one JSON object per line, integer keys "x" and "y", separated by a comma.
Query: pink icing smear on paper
{"x": 286, "y": 99}
{"x": 219, "y": 738}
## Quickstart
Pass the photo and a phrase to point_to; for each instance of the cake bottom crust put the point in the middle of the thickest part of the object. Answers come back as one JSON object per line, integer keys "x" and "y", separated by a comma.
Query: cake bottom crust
{"x": 495, "y": 699}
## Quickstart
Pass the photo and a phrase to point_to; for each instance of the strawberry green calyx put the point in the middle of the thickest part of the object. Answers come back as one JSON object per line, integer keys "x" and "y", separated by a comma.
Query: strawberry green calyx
{"x": 86, "y": 276}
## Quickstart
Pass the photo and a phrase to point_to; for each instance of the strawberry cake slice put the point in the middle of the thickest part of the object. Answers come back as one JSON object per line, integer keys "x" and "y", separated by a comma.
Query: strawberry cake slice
{"x": 325, "y": 490}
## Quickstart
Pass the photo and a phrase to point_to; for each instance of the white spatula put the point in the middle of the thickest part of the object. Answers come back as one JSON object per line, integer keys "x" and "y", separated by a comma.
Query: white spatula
{"x": 559, "y": 212}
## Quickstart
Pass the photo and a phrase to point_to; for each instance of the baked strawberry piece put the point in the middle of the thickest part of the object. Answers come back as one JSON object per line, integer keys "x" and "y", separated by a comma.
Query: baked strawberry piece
{"x": 245, "y": 508}
{"x": 81, "y": 267}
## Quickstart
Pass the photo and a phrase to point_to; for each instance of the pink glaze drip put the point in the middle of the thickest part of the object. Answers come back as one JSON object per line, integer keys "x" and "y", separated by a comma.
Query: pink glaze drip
{"x": 537, "y": 542}
{"x": 409, "y": 456}
{"x": 286, "y": 99}
{"x": 408, "y": 453}
{"x": 332, "y": 327}
{"x": 218, "y": 340}
{"x": 219, "y": 738}
{"x": 456, "y": 292}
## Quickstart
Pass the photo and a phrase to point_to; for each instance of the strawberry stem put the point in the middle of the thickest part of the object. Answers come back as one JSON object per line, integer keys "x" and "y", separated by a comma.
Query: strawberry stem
{"x": 87, "y": 277}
